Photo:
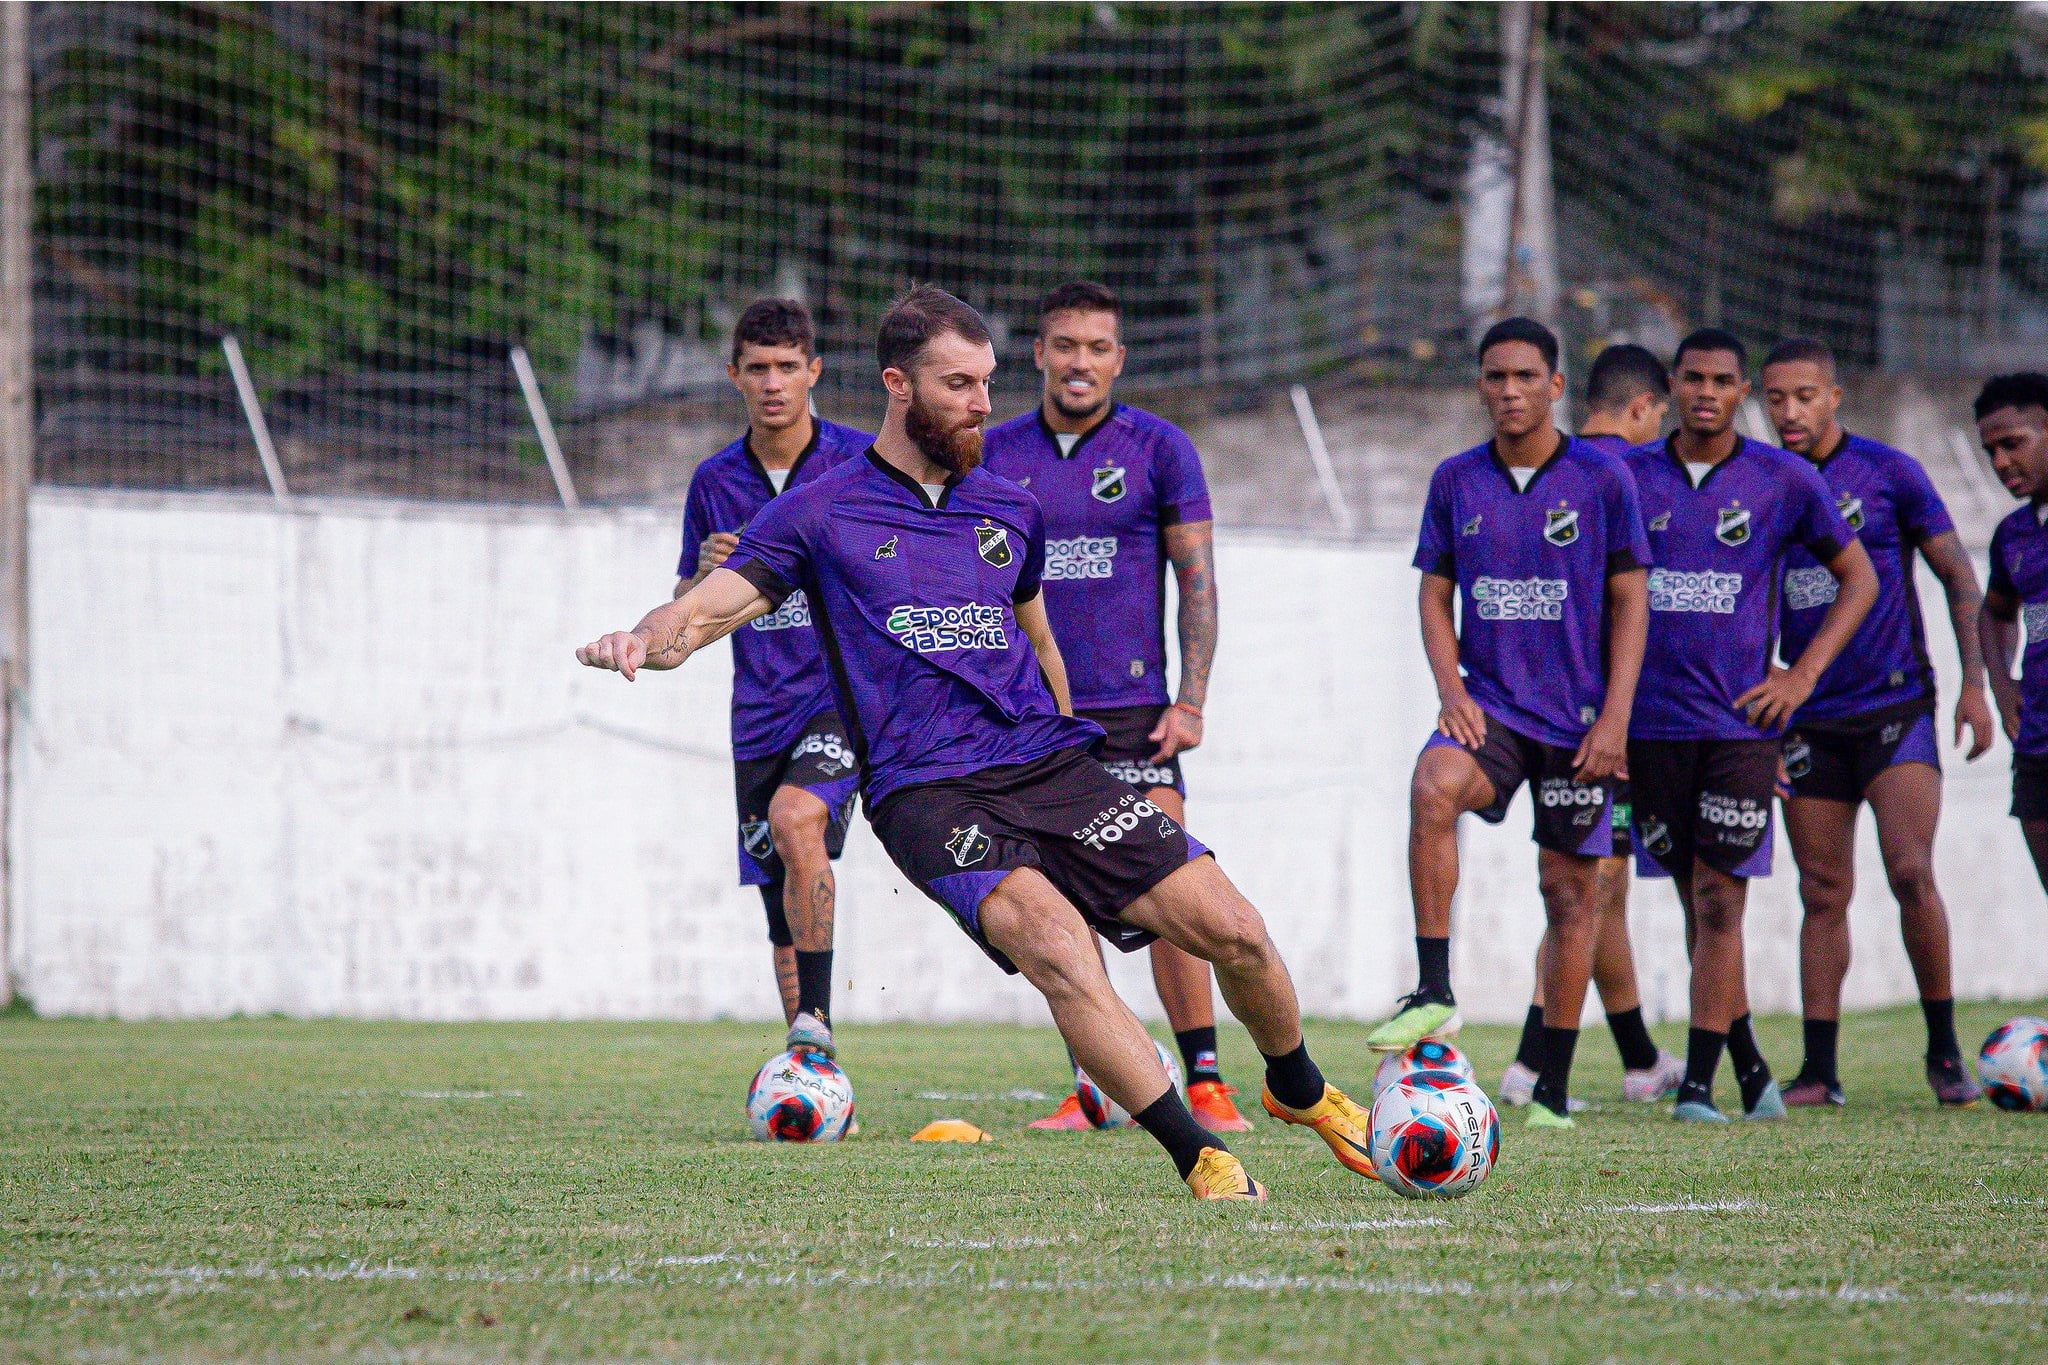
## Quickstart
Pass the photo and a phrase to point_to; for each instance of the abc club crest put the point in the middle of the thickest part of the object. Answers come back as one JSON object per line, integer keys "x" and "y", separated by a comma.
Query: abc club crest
{"x": 1731, "y": 526}
{"x": 757, "y": 840}
{"x": 968, "y": 846}
{"x": 1108, "y": 485}
{"x": 993, "y": 542}
{"x": 1851, "y": 508}
{"x": 1560, "y": 525}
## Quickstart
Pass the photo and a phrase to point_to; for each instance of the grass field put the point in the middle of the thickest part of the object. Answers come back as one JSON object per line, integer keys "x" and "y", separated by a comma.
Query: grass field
{"x": 580, "y": 1191}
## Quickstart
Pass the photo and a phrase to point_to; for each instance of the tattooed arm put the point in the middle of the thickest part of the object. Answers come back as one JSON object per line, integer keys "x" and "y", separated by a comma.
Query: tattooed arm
{"x": 673, "y": 631}
{"x": 1191, "y": 545}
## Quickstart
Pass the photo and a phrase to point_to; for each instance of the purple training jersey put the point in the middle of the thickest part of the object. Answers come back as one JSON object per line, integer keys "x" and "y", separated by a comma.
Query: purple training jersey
{"x": 1718, "y": 552}
{"x": 2019, "y": 570}
{"x": 914, "y": 604}
{"x": 778, "y": 676}
{"x": 1886, "y": 499}
{"x": 1107, "y": 501}
{"x": 1532, "y": 565}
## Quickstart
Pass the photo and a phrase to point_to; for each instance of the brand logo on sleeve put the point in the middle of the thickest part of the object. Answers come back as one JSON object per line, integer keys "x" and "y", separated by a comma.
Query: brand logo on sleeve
{"x": 1661, "y": 522}
{"x": 1851, "y": 508}
{"x": 1520, "y": 599}
{"x": 793, "y": 614}
{"x": 1812, "y": 586}
{"x": 1080, "y": 557}
{"x": 968, "y": 846}
{"x": 887, "y": 549}
{"x": 993, "y": 542}
{"x": 1560, "y": 525}
{"x": 1731, "y": 526}
{"x": 1472, "y": 526}
{"x": 941, "y": 630}
{"x": 1706, "y": 590}
{"x": 1108, "y": 483}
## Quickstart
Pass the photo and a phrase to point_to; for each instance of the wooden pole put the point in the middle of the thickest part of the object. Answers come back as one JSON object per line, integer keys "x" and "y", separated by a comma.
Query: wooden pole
{"x": 17, "y": 437}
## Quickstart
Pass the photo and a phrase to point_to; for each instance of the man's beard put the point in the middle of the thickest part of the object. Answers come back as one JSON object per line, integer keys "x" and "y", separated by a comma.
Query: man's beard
{"x": 1075, "y": 412}
{"x": 955, "y": 449}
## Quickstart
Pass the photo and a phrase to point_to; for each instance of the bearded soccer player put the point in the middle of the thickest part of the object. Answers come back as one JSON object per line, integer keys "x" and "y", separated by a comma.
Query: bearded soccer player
{"x": 1723, "y": 513}
{"x": 924, "y": 575}
{"x": 794, "y": 773}
{"x": 2012, "y": 423}
{"x": 1867, "y": 734}
{"x": 1627, "y": 394}
{"x": 1123, "y": 495}
{"x": 1538, "y": 538}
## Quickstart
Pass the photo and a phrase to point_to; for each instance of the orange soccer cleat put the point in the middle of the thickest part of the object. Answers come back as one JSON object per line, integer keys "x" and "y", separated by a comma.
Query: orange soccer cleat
{"x": 1210, "y": 1101}
{"x": 1068, "y": 1118}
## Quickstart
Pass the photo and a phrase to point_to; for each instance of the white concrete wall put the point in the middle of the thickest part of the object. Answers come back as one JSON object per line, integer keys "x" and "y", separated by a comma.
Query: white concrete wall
{"x": 339, "y": 760}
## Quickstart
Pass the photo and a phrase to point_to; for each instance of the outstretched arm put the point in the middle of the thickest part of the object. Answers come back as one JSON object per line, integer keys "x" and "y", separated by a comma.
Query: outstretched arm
{"x": 1770, "y": 703}
{"x": 718, "y": 605}
{"x": 1998, "y": 632}
{"x": 1958, "y": 577}
{"x": 1037, "y": 629}
{"x": 1191, "y": 545}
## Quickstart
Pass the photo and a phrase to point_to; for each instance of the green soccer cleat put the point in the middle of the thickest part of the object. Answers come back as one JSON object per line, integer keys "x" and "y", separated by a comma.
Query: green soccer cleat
{"x": 1543, "y": 1116}
{"x": 1769, "y": 1105}
{"x": 1697, "y": 1111}
{"x": 1418, "y": 1018}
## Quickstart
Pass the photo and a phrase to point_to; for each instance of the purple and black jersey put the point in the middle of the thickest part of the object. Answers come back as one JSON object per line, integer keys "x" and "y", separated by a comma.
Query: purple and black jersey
{"x": 914, "y": 605}
{"x": 2019, "y": 570}
{"x": 1718, "y": 552}
{"x": 778, "y": 676}
{"x": 1106, "y": 503}
{"x": 1532, "y": 566}
{"x": 1886, "y": 499}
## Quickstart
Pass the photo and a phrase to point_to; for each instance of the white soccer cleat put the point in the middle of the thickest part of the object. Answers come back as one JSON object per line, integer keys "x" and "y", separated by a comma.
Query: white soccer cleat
{"x": 1517, "y": 1085}
{"x": 1654, "y": 1083}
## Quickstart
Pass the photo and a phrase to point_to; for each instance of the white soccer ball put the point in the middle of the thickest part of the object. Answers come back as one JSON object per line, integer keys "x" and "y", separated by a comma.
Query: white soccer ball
{"x": 1431, "y": 1054}
{"x": 2013, "y": 1064}
{"x": 800, "y": 1096}
{"x": 1104, "y": 1112}
{"x": 1434, "y": 1135}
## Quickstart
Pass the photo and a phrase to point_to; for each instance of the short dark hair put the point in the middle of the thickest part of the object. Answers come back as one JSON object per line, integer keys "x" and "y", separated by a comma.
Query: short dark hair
{"x": 775, "y": 322}
{"x": 1621, "y": 372}
{"x": 1713, "y": 339}
{"x": 923, "y": 313}
{"x": 2024, "y": 390}
{"x": 1520, "y": 329}
{"x": 1792, "y": 350}
{"x": 1083, "y": 295}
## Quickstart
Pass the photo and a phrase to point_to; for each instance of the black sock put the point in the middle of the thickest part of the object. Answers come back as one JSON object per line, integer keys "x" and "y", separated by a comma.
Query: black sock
{"x": 1702, "y": 1060}
{"x": 814, "y": 984}
{"x": 1632, "y": 1039}
{"x": 1198, "y": 1053}
{"x": 1820, "y": 1050}
{"x": 1530, "y": 1053}
{"x": 1553, "y": 1086}
{"x": 1941, "y": 1030}
{"x": 1434, "y": 955}
{"x": 1752, "y": 1072}
{"x": 1167, "y": 1119}
{"x": 1294, "y": 1079}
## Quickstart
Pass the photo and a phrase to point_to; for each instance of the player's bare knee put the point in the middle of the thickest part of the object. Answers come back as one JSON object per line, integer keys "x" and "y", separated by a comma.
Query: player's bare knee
{"x": 796, "y": 818}
{"x": 1825, "y": 897}
{"x": 1912, "y": 880}
{"x": 1433, "y": 800}
{"x": 1234, "y": 938}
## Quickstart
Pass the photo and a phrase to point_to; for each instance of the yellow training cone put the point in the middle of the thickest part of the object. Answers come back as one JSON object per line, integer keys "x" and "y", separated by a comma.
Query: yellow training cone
{"x": 950, "y": 1130}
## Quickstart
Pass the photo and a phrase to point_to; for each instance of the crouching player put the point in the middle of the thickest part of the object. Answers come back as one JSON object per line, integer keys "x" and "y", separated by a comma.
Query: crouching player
{"x": 1540, "y": 540}
{"x": 2012, "y": 422}
{"x": 923, "y": 572}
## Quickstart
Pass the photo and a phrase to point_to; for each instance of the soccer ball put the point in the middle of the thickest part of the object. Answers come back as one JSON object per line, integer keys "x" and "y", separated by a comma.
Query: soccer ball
{"x": 2014, "y": 1064}
{"x": 1431, "y": 1054}
{"x": 800, "y": 1096}
{"x": 1104, "y": 1112}
{"x": 1434, "y": 1135}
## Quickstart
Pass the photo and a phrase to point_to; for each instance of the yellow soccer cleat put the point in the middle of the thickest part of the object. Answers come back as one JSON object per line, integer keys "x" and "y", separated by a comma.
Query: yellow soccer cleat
{"x": 1219, "y": 1175}
{"x": 1338, "y": 1121}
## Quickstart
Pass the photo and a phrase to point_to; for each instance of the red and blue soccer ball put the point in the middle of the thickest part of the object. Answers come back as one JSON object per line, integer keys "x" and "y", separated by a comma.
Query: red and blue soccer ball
{"x": 2013, "y": 1064}
{"x": 1435, "y": 1135}
{"x": 1431, "y": 1054}
{"x": 1102, "y": 1111}
{"x": 800, "y": 1096}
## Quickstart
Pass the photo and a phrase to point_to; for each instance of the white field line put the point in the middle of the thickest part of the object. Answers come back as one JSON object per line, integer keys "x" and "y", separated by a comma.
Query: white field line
{"x": 1034, "y": 1096}
{"x": 1683, "y": 1206}
{"x": 1364, "y": 1225}
{"x": 463, "y": 1094}
{"x": 745, "y": 1270}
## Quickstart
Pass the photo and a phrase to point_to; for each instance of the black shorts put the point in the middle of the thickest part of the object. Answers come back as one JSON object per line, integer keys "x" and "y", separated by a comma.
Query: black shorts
{"x": 1571, "y": 816}
{"x": 1838, "y": 761}
{"x": 821, "y": 762}
{"x": 1702, "y": 798}
{"x": 1127, "y": 748}
{"x": 2030, "y": 786}
{"x": 1097, "y": 840}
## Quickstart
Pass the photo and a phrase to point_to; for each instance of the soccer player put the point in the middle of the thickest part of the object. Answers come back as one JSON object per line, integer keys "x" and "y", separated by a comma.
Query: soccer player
{"x": 2012, "y": 422}
{"x": 924, "y": 576}
{"x": 1123, "y": 494}
{"x": 1867, "y": 733}
{"x": 794, "y": 772}
{"x": 1723, "y": 513}
{"x": 1539, "y": 539}
{"x": 1627, "y": 394}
